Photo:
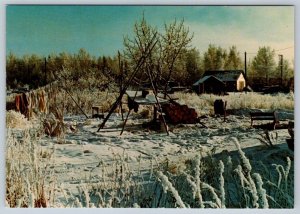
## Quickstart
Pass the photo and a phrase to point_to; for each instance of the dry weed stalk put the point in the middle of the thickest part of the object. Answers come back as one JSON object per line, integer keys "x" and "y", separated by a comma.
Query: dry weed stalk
{"x": 54, "y": 123}
{"x": 269, "y": 139}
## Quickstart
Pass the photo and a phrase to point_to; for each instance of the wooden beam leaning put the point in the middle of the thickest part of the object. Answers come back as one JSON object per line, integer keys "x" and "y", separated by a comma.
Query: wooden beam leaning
{"x": 68, "y": 92}
{"x": 128, "y": 114}
{"x": 141, "y": 61}
{"x": 157, "y": 102}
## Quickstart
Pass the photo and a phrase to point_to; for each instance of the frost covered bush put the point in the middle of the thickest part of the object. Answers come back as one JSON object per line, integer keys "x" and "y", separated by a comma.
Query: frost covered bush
{"x": 239, "y": 187}
{"x": 17, "y": 120}
{"x": 25, "y": 172}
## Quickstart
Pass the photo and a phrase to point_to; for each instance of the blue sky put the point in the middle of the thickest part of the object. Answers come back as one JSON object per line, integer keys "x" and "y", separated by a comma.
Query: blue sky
{"x": 100, "y": 30}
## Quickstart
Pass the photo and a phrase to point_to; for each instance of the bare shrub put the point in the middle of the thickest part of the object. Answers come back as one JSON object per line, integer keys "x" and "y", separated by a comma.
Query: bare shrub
{"x": 269, "y": 139}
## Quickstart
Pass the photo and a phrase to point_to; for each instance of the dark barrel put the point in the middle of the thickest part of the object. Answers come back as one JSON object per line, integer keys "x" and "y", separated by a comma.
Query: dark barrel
{"x": 219, "y": 107}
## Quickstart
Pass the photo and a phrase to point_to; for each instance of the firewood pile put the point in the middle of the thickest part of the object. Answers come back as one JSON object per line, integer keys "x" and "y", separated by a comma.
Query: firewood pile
{"x": 176, "y": 113}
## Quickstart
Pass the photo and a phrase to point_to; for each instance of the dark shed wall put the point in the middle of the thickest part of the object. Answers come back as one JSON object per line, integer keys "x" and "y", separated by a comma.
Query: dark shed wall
{"x": 213, "y": 86}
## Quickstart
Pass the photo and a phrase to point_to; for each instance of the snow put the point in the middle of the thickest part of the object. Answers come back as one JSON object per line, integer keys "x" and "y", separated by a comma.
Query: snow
{"x": 86, "y": 146}
{"x": 77, "y": 156}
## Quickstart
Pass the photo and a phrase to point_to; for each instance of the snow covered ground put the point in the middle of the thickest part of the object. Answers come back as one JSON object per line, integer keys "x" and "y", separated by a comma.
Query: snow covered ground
{"x": 78, "y": 155}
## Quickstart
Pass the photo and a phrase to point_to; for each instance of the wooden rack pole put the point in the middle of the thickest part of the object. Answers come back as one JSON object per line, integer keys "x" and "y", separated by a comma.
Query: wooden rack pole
{"x": 76, "y": 103}
{"x": 157, "y": 102}
{"x": 141, "y": 61}
{"x": 66, "y": 90}
{"x": 128, "y": 114}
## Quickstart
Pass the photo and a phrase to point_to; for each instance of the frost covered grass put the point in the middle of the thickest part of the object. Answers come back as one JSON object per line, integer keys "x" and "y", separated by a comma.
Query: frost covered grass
{"x": 204, "y": 103}
{"x": 17, "y": 120}
{"x": 233, "y": 186}
{"x": 206, "y": 181}
{"x": 118, "y": 186}
{"x": 26, "y": 175}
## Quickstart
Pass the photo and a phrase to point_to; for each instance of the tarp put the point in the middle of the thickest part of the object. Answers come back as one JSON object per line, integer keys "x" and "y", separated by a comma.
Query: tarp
{"x": 148, "y": 100}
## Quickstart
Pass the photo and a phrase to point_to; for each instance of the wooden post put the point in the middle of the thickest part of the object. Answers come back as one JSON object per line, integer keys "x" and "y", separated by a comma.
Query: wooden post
{"x": 154, "y": 113}
{"x": 45, "y": 78}
{"x": 225, "y": 104}
{"x": 120, "y": 82}
{"x": 281, "y": 68}
{"x": 246, "y": 67}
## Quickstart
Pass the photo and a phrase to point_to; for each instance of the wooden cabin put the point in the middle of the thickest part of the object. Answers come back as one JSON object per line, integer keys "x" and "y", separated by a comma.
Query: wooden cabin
{"x": 209, "y": 85}
{"x": 232, "y": 81}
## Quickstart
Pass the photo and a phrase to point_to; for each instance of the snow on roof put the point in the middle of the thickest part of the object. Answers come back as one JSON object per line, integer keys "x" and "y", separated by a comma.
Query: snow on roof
{"x": 203, "y": 79}
{"x": 225, "y": 75}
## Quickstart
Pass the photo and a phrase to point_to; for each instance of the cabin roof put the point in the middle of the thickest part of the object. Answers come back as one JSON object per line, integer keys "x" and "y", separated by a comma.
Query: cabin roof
{"x": 203, "y": 79}
{"x": 224, "y": 75}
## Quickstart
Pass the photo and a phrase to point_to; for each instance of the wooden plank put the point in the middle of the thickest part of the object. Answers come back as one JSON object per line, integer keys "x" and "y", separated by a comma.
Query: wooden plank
{"x": 263, "y": 118}
{"x": 262, "y": 113}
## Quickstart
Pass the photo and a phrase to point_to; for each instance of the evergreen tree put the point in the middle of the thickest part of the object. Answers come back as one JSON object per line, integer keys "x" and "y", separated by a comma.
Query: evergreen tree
{"x": 263, "y": 63}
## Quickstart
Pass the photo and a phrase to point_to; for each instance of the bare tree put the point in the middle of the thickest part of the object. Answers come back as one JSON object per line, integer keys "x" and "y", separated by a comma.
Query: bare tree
{"x": 174, "y": 42}
{"x": 136, "y": 47}
{"x": 161, "y": 61}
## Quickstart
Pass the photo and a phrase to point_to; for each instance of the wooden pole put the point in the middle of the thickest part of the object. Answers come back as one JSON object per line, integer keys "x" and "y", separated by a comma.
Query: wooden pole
{"x": 128, "y": 114}
{"x": 45, "y": 71}
{"x": 123, "y": 127}
{"x": 121, "y": 109}
{"x": 141, "y": 60}
{"x": 281, "y": 68}
{"x": 76, "y": 102}
{"x": 66, "y": 90}
{"x": 157, "y": 102}
{"x": 246, "y": 68}
{"x": 120, "y": 82}
{"x": 225, "y": 104}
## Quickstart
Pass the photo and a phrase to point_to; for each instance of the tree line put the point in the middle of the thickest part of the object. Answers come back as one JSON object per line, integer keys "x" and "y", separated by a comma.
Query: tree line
{"x": 170, "y": 58}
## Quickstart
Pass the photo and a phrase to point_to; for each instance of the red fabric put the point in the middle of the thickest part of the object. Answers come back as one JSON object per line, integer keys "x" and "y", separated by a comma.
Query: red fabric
{"x": 18, "y": 102}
